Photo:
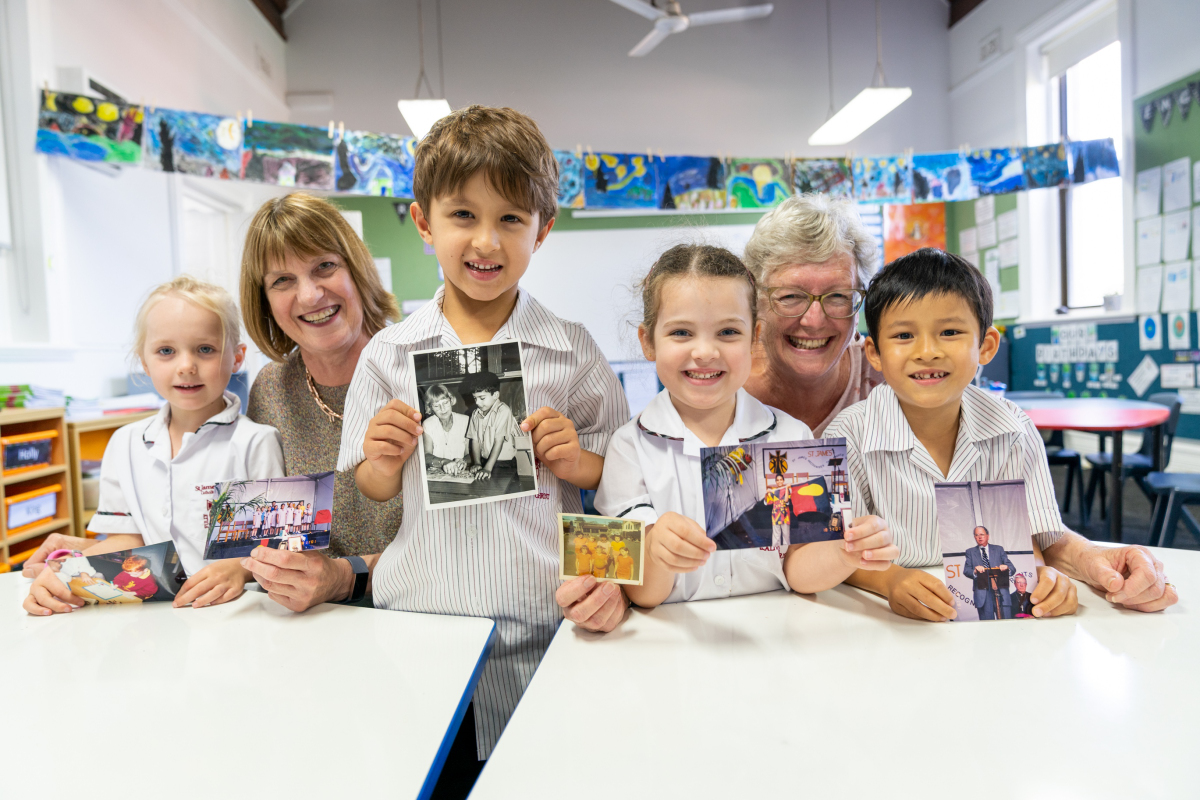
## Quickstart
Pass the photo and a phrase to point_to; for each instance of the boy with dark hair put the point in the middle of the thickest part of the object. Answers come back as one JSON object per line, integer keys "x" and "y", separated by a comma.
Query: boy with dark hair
{"x": 492, "y": 430}
{"x": 929, "y": 315}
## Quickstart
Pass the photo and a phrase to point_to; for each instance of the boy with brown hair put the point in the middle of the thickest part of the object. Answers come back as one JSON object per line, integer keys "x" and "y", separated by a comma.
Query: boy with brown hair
{"x": 486, "y": 185}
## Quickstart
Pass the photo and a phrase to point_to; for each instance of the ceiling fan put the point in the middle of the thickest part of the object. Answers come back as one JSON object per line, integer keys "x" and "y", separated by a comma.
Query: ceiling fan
{"x": 673, "y": 20}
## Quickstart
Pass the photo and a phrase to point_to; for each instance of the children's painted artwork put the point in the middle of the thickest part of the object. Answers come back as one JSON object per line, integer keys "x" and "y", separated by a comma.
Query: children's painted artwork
{"x": 619, "y": 180}
{"x": 195, "y": 144}
{"x": 89, "y": 129}
{"x": 141, "y": 575}
{"x": 941, "y": 177}
{"x": 775, "y": 494}
{"x": 691, "y": 182}
{"x": 472, "y": 401}
{"x": 909, "y": 228}
{"x": 1093, "y": 160}
{"x": 377, "y": 164}
{"x": 831, "y": 176}
{"x": 997, "y": 171}
{"x": 987, "y": 549}
{"x": 1046, "y": 166}
{"x": 287, "y": 155}
{"x": 757, "y": 182}
{"x": 607, "y": 548}
{"x": 570, "y": 179}
{"x": 884, "y": 178}
{"x": 293, "y": 513}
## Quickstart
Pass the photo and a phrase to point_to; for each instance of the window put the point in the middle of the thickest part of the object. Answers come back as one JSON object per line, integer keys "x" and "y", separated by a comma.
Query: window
{"x": 1090, "y": 222}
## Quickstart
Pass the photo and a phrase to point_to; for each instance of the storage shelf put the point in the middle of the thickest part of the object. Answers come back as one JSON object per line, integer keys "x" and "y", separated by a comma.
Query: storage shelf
{"x": 54, "y": 469}
{"x": 46, "y": 527}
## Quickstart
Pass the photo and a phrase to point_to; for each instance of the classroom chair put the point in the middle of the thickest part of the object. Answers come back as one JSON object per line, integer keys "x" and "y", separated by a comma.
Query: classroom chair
{"x": 1136, "y": 465}
{"x": 1059, "y": 455}
{"x": 1173, "y": 491}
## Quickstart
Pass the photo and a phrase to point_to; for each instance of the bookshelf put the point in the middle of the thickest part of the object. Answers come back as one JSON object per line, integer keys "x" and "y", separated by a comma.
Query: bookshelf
{"x": 18, "y": 544}
{"x": 86, "y": 440}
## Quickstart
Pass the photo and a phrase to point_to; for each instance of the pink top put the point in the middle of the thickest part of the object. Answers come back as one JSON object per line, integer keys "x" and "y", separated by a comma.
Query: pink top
{"x": 863, "y": 378}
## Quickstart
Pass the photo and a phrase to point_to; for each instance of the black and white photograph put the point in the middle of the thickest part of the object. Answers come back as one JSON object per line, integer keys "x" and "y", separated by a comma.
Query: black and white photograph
{"x": 472, "y": 401}
{"x": 293, "y": 513}
{"x": 987, "y": 549}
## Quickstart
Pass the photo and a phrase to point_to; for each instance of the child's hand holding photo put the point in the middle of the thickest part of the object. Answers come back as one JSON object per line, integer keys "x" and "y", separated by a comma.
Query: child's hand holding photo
{"x": 867, "y": 545}
{"x": 49, "y": 595}
{"x": 556, "y": 444}
{"x": 677, "y": 544}
{"x": 390, "y": 440}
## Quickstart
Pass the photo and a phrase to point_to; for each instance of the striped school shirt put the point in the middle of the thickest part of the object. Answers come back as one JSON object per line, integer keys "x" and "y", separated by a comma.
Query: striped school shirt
{"x": 892, "y": 475}
{"x": 500, "y": 559}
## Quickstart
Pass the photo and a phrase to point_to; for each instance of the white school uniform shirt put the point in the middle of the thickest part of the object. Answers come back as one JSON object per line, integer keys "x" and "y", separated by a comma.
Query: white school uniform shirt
{"x": 498, "y": 559}
{"x": 258, "y": 518}
{"x": 653, "y": 466}
{"x": 892, "y": 475}
{"x": 145, "y": 491}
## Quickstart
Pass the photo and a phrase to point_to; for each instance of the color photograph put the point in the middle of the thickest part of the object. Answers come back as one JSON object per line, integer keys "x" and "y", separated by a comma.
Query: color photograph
{"x": 141, "y": 575}
{"x": 293, "y": 513}
{"x": 206, "y": 145}
{"x": 941, "y": 177}
{"x": 997, "y": 171}
{"x": 377, "y": 164}
{"x": 987, "y": 549}
{"x": 831, "y": 176}
{"x": 774, "y": 494}
{"x": 883, "y": 178}
{"x": 472, "y": 401}
{"x": 607, "y": 548}
{"x": 619, "y": 180}
{"x": 756, "y": 182}
{"x": 287, "y": 155}
{"x": 89, "y": 128}
{"x": 570, "y": 179}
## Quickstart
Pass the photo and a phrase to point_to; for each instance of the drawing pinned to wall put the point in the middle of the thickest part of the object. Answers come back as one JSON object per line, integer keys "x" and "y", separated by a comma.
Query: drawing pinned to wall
{"x": 884, "y": 178}
{"x": 940, "y": 177}
{"x": 909, "y": 228}
{"x": 287, "y": 155}
{"x": 757, "y": 182}
{"x": 691, "y": 182}
{"x": 831, "y": 176}
{"x": 619, "y": 180}
{"x": 377, "y": 164}
{"x": 570, "y": 179}
{"x": 1046, "y": 166}
{"x": 195, "y": 144}
{"x": 1093, "y": 160}
{"x": 997, "y": 171}
{"x": 89, "y": 129}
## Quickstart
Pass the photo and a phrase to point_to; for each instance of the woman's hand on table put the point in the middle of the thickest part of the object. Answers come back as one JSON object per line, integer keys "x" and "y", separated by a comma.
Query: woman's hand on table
{"x": 591, "y": 604}
{"x": 1055, "y": 594}
{"x": 49, "y": 595}
{"x": 219, "y": 582}
{"x": 299, "y": 581}
{"x": 392, "y": 437}
{"x": 36, "y": 563}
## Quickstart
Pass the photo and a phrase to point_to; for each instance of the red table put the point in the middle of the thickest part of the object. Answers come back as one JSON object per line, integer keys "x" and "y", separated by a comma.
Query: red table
{"x": 1102, "y": 415}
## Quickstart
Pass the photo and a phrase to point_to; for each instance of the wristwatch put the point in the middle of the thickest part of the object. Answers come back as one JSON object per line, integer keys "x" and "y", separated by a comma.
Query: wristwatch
{"x": 361, "y": 573}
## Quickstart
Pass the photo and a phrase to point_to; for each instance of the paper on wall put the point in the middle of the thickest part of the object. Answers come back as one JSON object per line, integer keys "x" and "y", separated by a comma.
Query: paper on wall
{"x": 1177, "y": 286}
{"x": 1149, "y": 241}
{"x": 985, "y": 209}
{"x": 1009, "y": 305}
{"x": 1196, "y": 182}
{"x": 1009, "y": 252}
{"x": 1148, "y": 192}
{"x": 1149, "y": 289}
{"x": 967, "y": 241}
{"x": 1191, "y": 401}
{"x": 1177, "y": 376}
{"x": 1177, "y": 233}
{"x": 1195, "y": 235}
{"x": 1195, "y": 285}
{"x": 1007, "y": 223}
{"x": 1179, "y": 333}
{"x": 991, "y": 269}
{"x": 1150, "y": 334}
{"x": 1177, "y": 187}
{"x": 1143, "y": 376}
{"x": 986, "y": 235}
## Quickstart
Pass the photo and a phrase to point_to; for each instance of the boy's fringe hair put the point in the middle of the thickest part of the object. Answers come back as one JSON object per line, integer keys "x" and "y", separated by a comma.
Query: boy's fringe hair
{"x": 199, "y": 293}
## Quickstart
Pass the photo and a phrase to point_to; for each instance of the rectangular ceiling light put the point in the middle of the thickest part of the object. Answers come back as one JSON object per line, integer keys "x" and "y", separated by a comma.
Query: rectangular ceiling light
{"x": 421, "y": 114}
{"x": 871, "y": 105}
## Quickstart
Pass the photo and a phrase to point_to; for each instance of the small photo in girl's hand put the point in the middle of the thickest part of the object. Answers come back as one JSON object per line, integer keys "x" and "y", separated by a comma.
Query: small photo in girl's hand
{"x": 607, "y": 548}
{"x": 472, "y": 402}
{"x": 141, "y": 575}
{"x": 293, "y": 513}
{"x": 775, "y": 494}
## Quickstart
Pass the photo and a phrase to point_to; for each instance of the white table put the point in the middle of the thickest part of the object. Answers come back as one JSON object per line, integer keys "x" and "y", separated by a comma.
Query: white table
{"x": 834, "y": 696}
{"x": 245, "y": 699}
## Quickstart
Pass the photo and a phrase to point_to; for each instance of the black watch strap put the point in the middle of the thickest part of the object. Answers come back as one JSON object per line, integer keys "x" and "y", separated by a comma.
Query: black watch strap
{"x": 361, "y": 574}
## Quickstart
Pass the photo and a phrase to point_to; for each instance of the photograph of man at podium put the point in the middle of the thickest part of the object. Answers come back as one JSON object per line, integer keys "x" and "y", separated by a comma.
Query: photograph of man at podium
{"x": 990, "y": 569}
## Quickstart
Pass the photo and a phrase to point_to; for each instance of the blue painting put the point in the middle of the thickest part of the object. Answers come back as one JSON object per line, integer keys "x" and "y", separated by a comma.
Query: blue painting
{"x": 831, "y": 176}
{"x": 619, "y": 180}
{"x": 883, "y": 178}
{"x": 997, "y": 171}
{"x": 194, "y": 144}
{"x": 1093, "y": 160}
{"x": 287, "y": 155}
{"x": 941, "y": 177}
{"x": 691, "y": 182}
{"x": 570, "y": 179}
{"x": 377, "y": 164}
{"x": 1046, "y": 166}
{"x": 89, "y": 129}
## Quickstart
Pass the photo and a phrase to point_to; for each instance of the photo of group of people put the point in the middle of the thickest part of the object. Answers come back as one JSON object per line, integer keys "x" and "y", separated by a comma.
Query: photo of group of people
{"x": 775, "y": 494}
{"x": 141, "y": 575}
{"x": 987, "y": 549}
{"x": 607, "y": 548}
{"x": 293, "y": 513}
{"x": 472, "y": 401}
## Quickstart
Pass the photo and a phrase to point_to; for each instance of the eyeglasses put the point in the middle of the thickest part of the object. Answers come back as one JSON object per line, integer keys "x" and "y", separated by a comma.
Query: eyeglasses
{"x": 789, "y": 302}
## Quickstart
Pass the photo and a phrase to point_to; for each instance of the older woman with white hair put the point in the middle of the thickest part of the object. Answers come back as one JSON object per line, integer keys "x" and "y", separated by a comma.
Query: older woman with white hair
{"x": 812, "y": 257}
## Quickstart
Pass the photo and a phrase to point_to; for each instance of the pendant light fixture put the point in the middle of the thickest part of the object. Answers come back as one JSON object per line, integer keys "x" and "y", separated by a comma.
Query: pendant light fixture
{"x": 871, "y": 105}
{"x": 421, "y": 114}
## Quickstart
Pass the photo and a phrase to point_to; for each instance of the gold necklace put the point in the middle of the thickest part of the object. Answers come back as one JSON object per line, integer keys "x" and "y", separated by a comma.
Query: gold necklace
{"x": 312, "y": 389}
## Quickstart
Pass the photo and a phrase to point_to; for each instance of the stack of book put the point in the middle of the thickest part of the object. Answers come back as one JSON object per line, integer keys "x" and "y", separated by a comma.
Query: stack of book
{"x": 79, "y": 408}
{"x": 25, "y": 395}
